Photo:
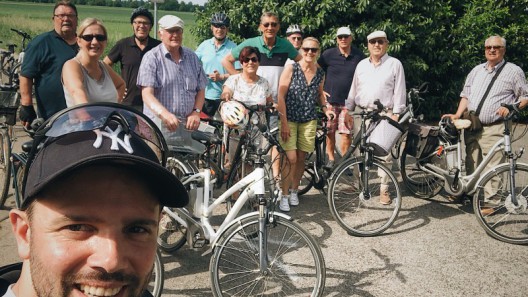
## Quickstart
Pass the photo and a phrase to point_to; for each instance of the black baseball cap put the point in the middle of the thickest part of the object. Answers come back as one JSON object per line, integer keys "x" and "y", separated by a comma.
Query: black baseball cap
{"x": 102, "y": 134}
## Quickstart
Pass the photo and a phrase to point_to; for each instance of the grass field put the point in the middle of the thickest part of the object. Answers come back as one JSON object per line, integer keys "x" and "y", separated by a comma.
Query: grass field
{"x": 35, "y": 18}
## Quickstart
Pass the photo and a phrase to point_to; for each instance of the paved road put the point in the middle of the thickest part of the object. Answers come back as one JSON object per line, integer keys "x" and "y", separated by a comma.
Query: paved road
{"x": 435, "y": 248}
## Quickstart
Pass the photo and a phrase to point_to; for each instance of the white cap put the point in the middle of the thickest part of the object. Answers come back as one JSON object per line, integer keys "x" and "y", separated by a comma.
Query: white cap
{"x": 169, "y": 22}
{"x": 376, "y": 34}
{"x": 344, "y": 31}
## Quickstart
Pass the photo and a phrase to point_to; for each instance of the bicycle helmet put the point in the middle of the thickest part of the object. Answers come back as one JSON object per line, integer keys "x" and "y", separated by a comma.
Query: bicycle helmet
{"x": 234, "y": 114}
{"x": 220, "y": 18}
{"x": 293, "y": 29}
{"x": 141, "y": 11}
{"x": 448, "y": 129}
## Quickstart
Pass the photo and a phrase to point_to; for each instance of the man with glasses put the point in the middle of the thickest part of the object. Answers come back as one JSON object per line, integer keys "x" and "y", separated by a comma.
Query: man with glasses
{"x": 172, "y": 79}
{"x": 211, "y": 52}
{"x": 339, "y": 64}
{"x": 379, "y": 76}
{"x": 294, "y": 36}
{"x": 42, "y": 65}
{"x": 510, "y": 86}
{"x": 130, "y": 50}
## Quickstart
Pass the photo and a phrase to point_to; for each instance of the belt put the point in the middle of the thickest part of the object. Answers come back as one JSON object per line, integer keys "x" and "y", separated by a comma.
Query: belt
{"x": 492, "y": 124}
{"x": 385, "y": 109}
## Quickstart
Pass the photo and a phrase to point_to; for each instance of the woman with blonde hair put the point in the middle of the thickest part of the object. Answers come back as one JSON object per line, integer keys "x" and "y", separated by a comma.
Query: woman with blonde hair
{"x": 86, "y": 78}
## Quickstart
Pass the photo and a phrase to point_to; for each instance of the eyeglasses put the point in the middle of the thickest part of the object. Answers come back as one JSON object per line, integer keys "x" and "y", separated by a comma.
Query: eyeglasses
{"x": 90, "y": 37}
{"x": 272, "y": 24}
{"x": 495, "y": 47}
{"x": 310, "y": 49}
{"x": 219, "y": 26}
{"x": 252, "y": 59}
{"x": 142, "y": 23}
{"x": 343, "y": 36}
{"x": 64, "y": 16}
{"x": 173, "y": 31}
{"x": 378, "y": 41}
{"x": 296, "y": 38}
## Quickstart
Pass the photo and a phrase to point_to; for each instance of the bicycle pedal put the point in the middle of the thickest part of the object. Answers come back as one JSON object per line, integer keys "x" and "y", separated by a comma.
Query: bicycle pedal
{"x": 200, "y": 243}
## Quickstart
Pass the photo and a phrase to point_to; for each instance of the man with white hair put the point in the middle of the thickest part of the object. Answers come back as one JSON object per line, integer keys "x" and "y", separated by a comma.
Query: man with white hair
{"x": 379, "y": 76}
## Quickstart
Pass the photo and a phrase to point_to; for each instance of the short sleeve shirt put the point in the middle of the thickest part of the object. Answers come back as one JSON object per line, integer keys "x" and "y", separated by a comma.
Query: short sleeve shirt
{"x": 175, "y": 83}
{"x": 129, "y": 55}
{"x": 249, "y": 94}
{"x": 272, "y": 60}
{"x": 339, "y": 72}
{"x": 301, "y": 98}
{"x": 43, "y": 61}
{"x": 211, "y": 58}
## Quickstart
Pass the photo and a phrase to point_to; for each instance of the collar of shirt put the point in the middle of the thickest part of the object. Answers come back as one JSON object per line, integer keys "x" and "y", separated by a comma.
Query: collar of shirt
{"x": 212, "y": 41}
{"x": 166, "y": 53}
{"x": 494, "y": 67}
{"x": 382, "y": 60}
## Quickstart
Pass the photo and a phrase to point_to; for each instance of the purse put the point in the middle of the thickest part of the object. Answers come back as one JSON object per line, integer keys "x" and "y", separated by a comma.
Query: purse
{"x": 473, "y": 116}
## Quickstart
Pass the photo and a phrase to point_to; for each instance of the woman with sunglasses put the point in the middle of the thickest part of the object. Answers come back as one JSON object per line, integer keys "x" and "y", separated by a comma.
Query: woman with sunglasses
{"x": 300, "y": 90}
{"x": 86, "y": 78}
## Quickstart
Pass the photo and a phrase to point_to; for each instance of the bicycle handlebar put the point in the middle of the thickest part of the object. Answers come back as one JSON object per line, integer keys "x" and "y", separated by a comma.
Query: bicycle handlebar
{"x": 21, "y": 33}
{"x": 513, "y": 108}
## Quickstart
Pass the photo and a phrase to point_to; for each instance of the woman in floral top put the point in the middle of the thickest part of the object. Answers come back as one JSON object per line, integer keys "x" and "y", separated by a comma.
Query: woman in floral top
{"x": 300, "y": 89}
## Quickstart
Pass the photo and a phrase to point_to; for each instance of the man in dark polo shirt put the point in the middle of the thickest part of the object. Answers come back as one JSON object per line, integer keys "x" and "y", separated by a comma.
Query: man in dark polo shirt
{"x": 42, "y": 66}
{"x": 129, "y": 52}
{"x": 339, "y": 64}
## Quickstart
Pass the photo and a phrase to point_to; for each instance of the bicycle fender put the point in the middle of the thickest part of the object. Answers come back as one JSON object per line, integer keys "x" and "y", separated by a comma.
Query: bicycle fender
{"x": 494, "y": 169}
{"x": 339, "y": 166}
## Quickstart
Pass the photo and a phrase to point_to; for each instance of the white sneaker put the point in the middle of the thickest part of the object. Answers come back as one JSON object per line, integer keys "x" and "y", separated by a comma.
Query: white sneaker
{"x": 294, "y": 199}
{"x": 284, "y": 205}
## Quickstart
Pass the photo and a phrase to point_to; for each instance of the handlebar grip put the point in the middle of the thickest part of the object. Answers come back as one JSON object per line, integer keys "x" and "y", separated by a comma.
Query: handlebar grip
{"x": 378, "y": 105}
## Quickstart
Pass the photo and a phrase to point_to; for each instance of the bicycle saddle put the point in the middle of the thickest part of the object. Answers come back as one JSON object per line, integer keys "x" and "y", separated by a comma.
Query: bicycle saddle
{"x": 462, "y": 124}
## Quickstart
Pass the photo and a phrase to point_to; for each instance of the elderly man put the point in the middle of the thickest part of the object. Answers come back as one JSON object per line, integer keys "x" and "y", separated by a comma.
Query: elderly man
{"x": 42, "y": 66}
{"x": 339, "y": 64}
{"x": 509, "y": 86}
{"x": 92, "y": 202}
{"x": 172, "y": 79}
{"x": 211, "y": 52}
{"x": 130, "y": 50}
{"x": 294, "y": 35}
{"x": 379, "y": 76}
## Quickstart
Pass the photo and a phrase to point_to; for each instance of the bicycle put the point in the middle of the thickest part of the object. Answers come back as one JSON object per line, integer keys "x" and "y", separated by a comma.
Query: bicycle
{"x": 9, "y": 65}
{"x": 258, "y": 253}
{"x": 355, "y": 182}
{"x": 437, "y": 158}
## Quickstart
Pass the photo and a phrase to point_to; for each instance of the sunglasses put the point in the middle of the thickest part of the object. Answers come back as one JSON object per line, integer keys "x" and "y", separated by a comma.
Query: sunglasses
{"x": 296, "y": 38}
{"x": 272, "y": 24}
{"x": 310, "y": 49}
{"x": 90, "y": 37}
{"x": 252, "y": 59}
{"x": 343, "y": 36}
{"x": 495, "y": 47}
{"x": 378, "y": 41}
{"x": 219, "y": 26}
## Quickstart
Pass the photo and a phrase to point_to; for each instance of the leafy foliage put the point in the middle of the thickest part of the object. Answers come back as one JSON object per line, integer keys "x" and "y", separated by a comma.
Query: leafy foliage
{"x": 438, "y": 41}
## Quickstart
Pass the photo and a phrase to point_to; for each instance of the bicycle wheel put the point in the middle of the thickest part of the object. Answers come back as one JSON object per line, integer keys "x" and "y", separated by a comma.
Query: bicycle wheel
{"x": 171, "y": 234}
{"x": 5, "y": 165}
{"x": 295, "y": 262}
{"x": 421, "y": 184}
{"x": 505, "y": 222}
{"x": 157, "y": 279}
{"x": 307, "y": 181}
{"x": 349, "y": 202}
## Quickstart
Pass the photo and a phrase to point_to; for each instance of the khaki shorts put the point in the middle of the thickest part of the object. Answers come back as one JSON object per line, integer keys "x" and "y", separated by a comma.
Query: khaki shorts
{"x": 302, "y": 136}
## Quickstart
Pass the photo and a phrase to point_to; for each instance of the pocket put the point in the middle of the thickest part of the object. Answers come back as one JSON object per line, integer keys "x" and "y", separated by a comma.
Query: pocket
{"x": 190, "y": 84}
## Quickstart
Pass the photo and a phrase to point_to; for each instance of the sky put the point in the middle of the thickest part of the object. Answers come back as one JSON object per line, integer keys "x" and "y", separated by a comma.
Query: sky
{"x": 200, "y": 2}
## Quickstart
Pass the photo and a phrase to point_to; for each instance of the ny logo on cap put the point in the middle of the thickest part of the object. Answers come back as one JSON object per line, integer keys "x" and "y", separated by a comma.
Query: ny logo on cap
{"x": 114, "y": 135}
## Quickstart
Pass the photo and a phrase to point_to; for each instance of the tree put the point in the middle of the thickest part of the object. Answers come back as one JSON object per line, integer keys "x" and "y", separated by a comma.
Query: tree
{"x": 438, "y": 41}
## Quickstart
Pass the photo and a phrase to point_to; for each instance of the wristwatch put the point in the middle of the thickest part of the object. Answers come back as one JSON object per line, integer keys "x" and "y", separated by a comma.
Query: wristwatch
{"x": 197, "y": 110}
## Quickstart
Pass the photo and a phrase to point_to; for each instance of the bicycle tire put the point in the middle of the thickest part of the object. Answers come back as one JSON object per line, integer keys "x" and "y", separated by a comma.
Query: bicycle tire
{"x": 20, "y": 174}
{"x": 5, "y": 165}
{"x": 507, "y": 223}
{"x": 157, "y": 279}
{"x": 307, "y": 181}
{"x": 171, "y": 234}
{"x": 352, "y": 211}
{"x": 296, "y": 263}
{"x": 420, "y": 183}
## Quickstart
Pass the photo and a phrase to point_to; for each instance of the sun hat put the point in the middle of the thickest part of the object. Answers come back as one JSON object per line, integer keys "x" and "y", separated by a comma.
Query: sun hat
{"x": 343, "y": 31}
{"x": 376, "y": 34}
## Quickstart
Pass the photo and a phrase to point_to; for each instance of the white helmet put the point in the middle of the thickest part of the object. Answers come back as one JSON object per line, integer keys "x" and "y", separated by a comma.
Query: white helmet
{"x": 234, "y": 114}
{"x": 293, "y": 29}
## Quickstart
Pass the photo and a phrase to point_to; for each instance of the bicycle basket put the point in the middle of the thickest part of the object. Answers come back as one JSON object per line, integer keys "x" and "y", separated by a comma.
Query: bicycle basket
{"x": 9, "y": 101}
{"x": 180, "y": 141}
{"x": 422, "y": 140}
{"x": 385, "y": 133}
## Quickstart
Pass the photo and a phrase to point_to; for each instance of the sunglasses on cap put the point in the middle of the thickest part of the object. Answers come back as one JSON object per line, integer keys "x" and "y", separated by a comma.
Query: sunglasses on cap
{"x": 90, "y": 37}
{"x": 252, "y": 59}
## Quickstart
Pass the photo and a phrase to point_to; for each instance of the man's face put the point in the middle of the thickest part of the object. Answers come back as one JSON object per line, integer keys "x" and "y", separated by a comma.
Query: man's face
{"x": 65, "y": 20}
{"x": 378, "y": 47}
{"x": 296, "y": 40}
{"x": 344, "y": 41}
{"x": 269, "y": 26}
{"x": 93, "y": 233}
{"x": 495, "y": 50}
{"x": 172, "y": 38}
{"x": 219, "y": 31}
{"x": 141, "y": 26}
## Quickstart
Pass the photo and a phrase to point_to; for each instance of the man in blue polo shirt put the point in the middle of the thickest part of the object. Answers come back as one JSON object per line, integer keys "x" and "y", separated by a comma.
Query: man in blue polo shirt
{"x": 211, "y": 52}
{"x": 42, "y": 66}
